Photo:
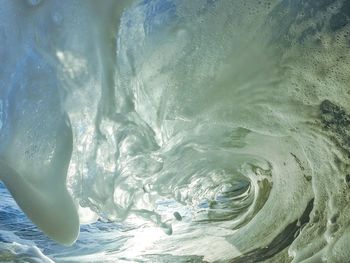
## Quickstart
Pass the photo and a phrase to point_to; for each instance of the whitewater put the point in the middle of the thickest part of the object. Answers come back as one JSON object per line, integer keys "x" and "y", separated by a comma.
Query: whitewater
{"x": 175, "y": 131}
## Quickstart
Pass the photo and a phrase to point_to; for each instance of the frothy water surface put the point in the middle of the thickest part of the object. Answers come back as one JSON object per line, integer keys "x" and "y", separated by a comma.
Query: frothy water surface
{"x": 198, "y": 131}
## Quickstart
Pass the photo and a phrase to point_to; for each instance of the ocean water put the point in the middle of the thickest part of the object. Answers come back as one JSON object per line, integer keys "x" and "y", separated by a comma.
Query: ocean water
{"x": 175, "y": 131}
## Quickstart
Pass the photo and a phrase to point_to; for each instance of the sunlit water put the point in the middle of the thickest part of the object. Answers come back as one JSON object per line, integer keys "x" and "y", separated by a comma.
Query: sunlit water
{"x": 201, "y": 131}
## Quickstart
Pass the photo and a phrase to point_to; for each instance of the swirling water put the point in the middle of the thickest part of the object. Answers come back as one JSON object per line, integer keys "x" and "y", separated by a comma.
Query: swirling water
{"x": 202, "y": 131}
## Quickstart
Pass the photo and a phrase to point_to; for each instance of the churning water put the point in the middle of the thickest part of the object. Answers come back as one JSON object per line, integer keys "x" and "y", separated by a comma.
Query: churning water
{"x": 177, "y": 131}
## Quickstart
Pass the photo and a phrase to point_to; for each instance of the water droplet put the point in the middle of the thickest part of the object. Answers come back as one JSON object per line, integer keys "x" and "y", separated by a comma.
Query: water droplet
{"x": 347, "y": 180}
{"x": 34, "y": 2}
{"x": 334, "y": 218}
{"x": 177, "y": 216}
{"x": 167, "y": 228}
{"x": 57, "y": 18}
{"x": 147, "y": 188}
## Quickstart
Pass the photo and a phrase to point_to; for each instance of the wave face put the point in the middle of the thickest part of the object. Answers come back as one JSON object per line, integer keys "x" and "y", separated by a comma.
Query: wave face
{"x": 202, "y": 131}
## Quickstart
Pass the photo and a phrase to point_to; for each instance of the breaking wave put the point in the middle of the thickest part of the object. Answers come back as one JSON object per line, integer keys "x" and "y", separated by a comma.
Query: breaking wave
{"x": 210, "y": 130}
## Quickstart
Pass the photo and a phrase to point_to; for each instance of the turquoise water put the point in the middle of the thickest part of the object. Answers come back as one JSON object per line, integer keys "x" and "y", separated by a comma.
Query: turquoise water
{"x": 102, "y": 241}
{"x": 22, "y": 241}
{"x": 175, "y": 131}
